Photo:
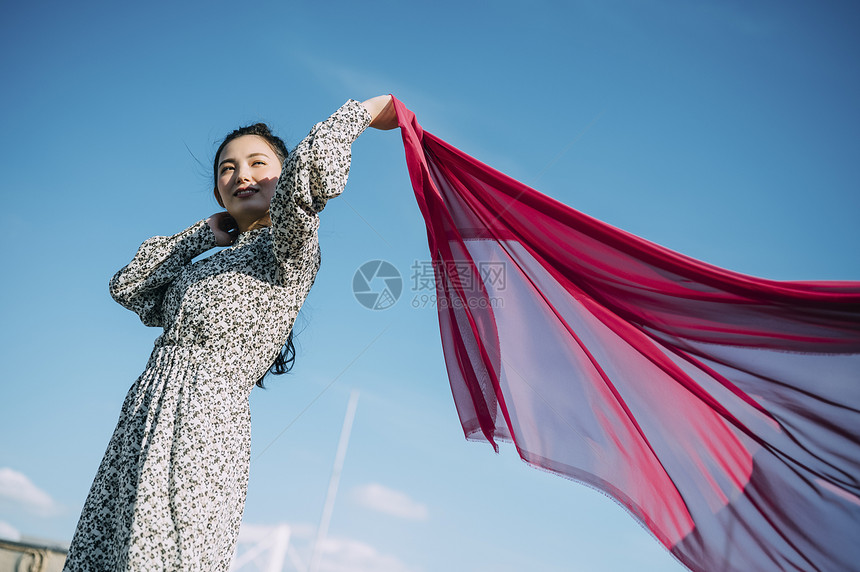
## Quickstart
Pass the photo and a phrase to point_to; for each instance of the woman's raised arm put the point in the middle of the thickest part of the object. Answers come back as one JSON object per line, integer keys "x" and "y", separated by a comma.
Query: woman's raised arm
{"x": 381, "y": 111}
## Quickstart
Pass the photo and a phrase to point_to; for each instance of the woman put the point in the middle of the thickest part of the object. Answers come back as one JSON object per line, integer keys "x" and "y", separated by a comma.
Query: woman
{"x": 170, "y": 490}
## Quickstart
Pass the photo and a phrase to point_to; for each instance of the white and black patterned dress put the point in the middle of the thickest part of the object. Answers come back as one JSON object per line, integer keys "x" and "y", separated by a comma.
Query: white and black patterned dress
{"x": 170, "y": 491}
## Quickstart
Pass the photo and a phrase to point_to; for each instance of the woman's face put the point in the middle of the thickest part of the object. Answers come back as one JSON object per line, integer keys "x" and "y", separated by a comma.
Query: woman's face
{"x": 248, "y": 170}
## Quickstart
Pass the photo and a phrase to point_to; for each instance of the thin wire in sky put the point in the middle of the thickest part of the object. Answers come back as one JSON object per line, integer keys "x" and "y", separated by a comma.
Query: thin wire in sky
{"x": 320, "y": 394}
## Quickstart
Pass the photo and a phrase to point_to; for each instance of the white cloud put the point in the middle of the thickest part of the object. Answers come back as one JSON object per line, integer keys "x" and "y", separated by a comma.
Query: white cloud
{"x": 347, "y": 555}
{"x": 389, "y": 501}
{"x": 338, "y": 553}
{"x": 16, "y": 487}
{"x": 9, "y": 532}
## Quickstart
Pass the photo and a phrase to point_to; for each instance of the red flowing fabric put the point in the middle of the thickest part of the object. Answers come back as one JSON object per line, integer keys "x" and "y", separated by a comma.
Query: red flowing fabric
{"x": 721, "y": 410}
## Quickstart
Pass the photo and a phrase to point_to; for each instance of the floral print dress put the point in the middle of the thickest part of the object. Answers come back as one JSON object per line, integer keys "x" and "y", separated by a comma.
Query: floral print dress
{"x": 170, "y": 491}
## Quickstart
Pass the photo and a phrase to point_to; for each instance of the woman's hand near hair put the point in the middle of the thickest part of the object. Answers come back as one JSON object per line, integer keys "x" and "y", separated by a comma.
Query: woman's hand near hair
{"x": 382, "y": 113}
{"x": 225, "y": 228}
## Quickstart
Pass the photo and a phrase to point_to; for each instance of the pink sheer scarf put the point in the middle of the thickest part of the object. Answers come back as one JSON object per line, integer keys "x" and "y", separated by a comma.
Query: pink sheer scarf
{"x": 721, "y": 410}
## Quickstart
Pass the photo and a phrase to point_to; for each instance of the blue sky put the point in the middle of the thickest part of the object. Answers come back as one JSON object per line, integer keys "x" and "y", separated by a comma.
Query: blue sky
{"x": 724, "y": 130}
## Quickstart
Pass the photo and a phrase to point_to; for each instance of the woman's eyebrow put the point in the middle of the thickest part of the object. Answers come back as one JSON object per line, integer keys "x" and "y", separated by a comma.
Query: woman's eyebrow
{"x": 231, "y": 160}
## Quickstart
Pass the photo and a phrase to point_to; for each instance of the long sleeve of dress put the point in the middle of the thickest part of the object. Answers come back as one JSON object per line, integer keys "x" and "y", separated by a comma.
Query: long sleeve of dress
{"x": 314, "y": 172}
{"x": 140, "y": 286}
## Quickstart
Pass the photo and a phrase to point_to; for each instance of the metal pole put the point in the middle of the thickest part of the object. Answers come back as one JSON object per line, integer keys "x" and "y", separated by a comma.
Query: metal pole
{"x": 322, "y": 531}
{"x": 278, "y": 551}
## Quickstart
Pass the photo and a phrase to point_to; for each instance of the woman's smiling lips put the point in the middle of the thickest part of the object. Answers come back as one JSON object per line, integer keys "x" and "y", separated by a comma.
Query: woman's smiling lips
{"x": 244, "y": 192}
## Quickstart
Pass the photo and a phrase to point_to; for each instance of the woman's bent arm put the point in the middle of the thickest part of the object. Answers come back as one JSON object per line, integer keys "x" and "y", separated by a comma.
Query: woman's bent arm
{"x": 140, "y": 286}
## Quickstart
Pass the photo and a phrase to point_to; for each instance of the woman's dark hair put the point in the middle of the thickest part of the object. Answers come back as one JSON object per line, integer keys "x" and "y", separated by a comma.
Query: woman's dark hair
{"x": 284, "y": 362}
{"x": 287, "y": 356}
